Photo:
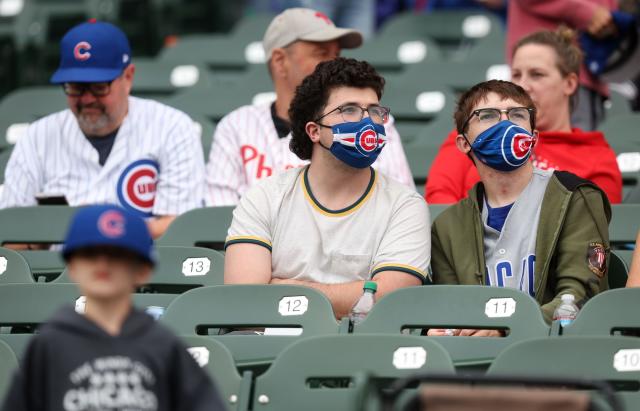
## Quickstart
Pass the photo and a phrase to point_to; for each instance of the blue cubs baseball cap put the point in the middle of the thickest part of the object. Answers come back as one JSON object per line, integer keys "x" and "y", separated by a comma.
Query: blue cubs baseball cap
{"x": 111, "y": 226}
{"x": 92, "y": 52}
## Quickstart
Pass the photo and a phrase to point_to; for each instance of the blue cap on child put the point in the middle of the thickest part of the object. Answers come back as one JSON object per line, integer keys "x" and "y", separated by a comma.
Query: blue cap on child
{"x": 112, "y": 226}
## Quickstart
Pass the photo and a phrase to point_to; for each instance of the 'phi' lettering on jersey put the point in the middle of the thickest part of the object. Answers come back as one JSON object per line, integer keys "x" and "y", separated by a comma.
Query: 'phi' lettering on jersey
{"x": 504, "y": 271}
{"x": 137, "y": 186}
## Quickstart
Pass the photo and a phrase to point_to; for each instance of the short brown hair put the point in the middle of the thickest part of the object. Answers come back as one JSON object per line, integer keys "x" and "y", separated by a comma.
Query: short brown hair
{"x": 563, "y": 42}
{"x": 312, "y": 95}
{"x": 479, "y": 92}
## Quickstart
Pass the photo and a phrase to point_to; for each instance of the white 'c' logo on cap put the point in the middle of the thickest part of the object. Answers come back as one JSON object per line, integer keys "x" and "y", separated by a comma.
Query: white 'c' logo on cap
{"x": 81, "y": 51}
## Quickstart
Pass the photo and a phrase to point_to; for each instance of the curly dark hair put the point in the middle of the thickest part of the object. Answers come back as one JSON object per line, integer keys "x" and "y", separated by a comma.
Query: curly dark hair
{"x": 312, "y": 95}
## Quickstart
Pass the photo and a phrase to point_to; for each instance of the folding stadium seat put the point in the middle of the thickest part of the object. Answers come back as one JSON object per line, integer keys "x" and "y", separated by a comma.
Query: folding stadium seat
{"x": 617, "y": 104}
{"x": 25, "y": 105}
{"x": 622, "y": 136}
{"x": 281, "y": 309}
{"x": 624, "y": 224}
{"x": 155, "y": 78}
{"x": 607, "y": 313}
{"x": 25, "y": 306}
{"x": 611, "y": 359}
{"x": 206, "y": 128}
{"x": 205, "y": 227}
{"x": 8, "y": 365}
{"x": 329, "y": 372}
{"x": 38, "y": 224}
{"x": 232, "y": 52}
{"x": 459, "y": 306}
{"x": 217, "y": 360}
{"x": 179, "y": 269}
{"x": 449, "y": 29}
{"x": 390, "y": 54}
{"x": 14, "y": 268}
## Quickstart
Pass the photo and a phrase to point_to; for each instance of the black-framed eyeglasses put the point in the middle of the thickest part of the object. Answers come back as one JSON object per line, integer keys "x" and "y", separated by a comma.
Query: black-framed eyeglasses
{"x": 96, "y": 89}
{"x": 522, "y": 116}
{"x": 352, "y": 113}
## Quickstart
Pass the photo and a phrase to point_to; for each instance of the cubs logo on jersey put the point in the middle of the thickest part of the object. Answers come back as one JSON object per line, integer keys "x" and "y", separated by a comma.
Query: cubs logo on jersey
{"x": 137, "y": 186}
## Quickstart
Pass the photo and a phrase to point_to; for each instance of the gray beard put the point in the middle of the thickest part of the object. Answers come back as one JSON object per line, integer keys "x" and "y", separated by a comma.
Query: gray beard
{"x": 92, "y": 127}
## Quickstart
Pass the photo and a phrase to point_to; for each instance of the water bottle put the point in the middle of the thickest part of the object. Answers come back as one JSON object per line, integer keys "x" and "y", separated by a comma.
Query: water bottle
{"x": 566, "y": 311}
{"x": 365, "y": 303}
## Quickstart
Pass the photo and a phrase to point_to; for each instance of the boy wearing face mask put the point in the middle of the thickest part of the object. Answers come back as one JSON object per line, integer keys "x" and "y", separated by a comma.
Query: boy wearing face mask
{"x": 543, "y": 232}
{"x": 337, "y": 222}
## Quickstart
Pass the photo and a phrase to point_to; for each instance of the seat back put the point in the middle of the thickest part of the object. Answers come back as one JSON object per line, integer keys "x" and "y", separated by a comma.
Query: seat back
{"x": 607, "y": 312}
{"x": 27, "y": 307}
{"x": 180, "y": 269}
{"x": 320, "y": 373}
{"x": 206, "y": 227}
{"x": 217, "y": 360}
{"x": 459, "y": 306}
{"x": 624, "y": 224}
{"x": 14, "y": 268}
{"x": 37, "y": 224}
{"x": 8, "y": 365}
{"x": 612, "y": 359}
{"x": 206, "y": 310}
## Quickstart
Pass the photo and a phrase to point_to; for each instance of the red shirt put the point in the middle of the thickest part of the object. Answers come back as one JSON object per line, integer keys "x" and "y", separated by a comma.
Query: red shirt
{"x": 584, "y": 153}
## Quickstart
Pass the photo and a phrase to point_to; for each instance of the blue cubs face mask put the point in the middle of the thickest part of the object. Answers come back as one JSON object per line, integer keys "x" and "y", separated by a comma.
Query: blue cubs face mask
{"x": 358, "y": 144}
{"x": 504, "y": 146}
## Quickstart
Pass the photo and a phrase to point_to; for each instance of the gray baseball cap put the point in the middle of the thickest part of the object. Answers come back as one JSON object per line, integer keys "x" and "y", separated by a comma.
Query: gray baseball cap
{"x": 306, "y": 24}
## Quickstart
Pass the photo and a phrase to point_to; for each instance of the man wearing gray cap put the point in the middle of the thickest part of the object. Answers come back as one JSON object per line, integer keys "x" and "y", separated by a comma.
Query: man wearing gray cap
{"x": 252, "y": 142}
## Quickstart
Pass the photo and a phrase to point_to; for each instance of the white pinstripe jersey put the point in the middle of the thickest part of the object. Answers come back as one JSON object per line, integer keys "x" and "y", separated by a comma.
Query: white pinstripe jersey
{"x": 386, "y": 229}
{"x": 246, "y": 148}
{"x": 155, "y": 166}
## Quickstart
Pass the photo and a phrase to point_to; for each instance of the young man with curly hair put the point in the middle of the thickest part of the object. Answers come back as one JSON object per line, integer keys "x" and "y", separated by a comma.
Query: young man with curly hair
{"x": 337, "y": 222}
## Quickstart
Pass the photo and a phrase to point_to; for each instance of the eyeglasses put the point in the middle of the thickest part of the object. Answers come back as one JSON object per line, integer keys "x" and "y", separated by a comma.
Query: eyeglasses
{"x": 78, "y": 89}
{"x": 353, "y": 113}
{"x": 522, "y": 116}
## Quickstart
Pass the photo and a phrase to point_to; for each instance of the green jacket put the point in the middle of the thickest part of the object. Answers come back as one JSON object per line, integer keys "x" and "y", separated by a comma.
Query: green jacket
{"x": 573, "y": 225}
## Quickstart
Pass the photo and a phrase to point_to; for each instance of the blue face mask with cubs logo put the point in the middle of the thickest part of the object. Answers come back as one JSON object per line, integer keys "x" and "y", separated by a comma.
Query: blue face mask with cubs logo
{"x": 358, "y": 144}
{"x": 504, "y": 146}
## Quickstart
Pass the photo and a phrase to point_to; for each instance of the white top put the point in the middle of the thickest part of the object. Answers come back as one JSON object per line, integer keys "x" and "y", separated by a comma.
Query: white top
{"x": 155, "y": 166}
{"x": 246, "y": 148}
{"x": 386, "y": 229}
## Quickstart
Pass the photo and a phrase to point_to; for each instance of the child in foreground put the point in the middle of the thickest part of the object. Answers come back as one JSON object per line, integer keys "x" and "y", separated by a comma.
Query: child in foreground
{"x": 114, "y": 356}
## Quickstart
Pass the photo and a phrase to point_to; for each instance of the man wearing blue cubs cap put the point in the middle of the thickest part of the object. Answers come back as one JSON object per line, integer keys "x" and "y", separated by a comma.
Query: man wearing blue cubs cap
{"x": 543, "y": 232}
{"x": 109, "y": 355}
{"x": 108, "y": 146}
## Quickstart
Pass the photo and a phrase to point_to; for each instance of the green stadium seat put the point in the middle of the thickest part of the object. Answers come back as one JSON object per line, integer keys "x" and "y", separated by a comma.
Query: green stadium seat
{"x": 624, "y": 224}
{"x": 154, "y": 78}
{"x": 204, "y": 227}
{"x": 449, "y": 29}
{"x": 390, "y": 54}
{"x": 25, "y": 105}
{"x": 179, "y": 269}
{"x": 607, "y": 313}
{"x": 206, "y": 310}
{"x": 5, "y": 155}
{"x": 8, "y": 365}
{"x": 459, "y": 306}
{"x": 621, "y": 133}
{"x": 25, "y": 306}
{"x": 322, "y": 373}
{"x": 618, "y": 271}
{"x": 217, "y": 360}
{"x": 37, "y": 224}
{"x": 206, "y": 128}
{"x": 617, "y": 104}
{"x": 14, "y": 268}
{"x": 610, "y": 359}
